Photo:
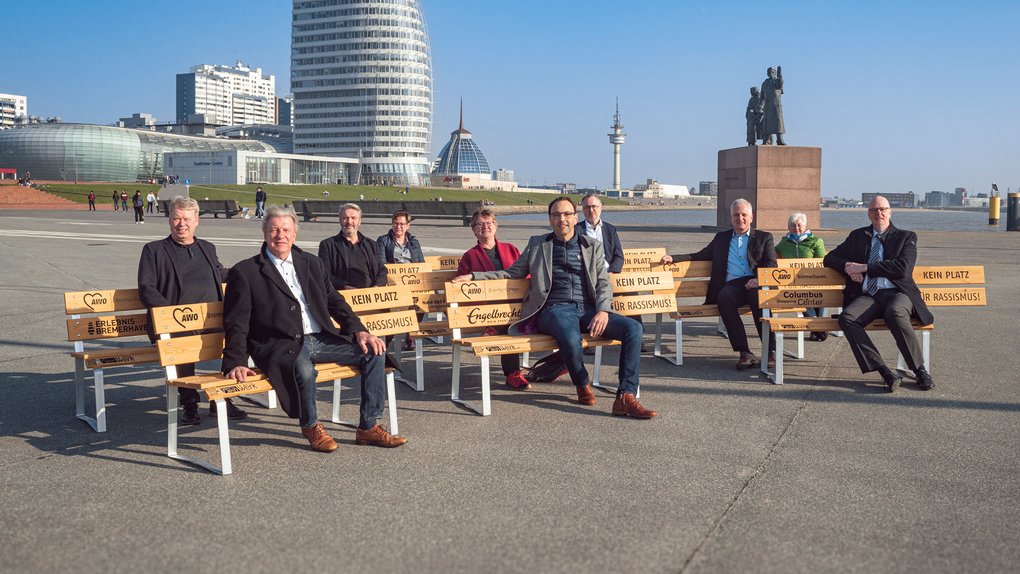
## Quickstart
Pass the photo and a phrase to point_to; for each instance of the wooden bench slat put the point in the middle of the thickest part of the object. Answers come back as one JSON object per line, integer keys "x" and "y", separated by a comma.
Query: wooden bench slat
{"x": 118, "y": 357}
{"x": 639, "y": 282}
{"x": 383, "y": 324}
{"x": 483, "y": 315}
{"x": 443, "y": 262}
{"x": 949, "y": 275}
{"x": 827, "y": 324}
{"x": 424, "y": 281}
{"x": 695, "y": 311}
{"x": 187, "y": 318}
{"x": 407, "y": 268}
{"x": 631, "y": 305}
{"x": 107, "y": 326}
{"x": 954, "y": 296}
{"x": 486, "y": 291}
{"x": 790, "y": 297}
{"x": 375, "y": 298}
{"x": 102, "y": 301}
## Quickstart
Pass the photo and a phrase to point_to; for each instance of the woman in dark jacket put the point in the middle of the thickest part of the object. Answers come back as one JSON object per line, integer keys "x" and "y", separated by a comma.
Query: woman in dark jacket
{"x": 139, "y": 204}
{"x": 399, "y": 246}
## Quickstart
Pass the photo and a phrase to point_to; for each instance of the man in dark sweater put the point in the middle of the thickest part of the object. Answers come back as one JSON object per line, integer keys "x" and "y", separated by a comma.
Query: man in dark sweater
{"x": 352, "y": 260}
{"x": 177, "y": 270}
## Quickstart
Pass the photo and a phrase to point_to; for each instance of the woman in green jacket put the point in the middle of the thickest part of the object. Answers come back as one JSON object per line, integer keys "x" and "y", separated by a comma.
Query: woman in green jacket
{"x": 799, "y": 243}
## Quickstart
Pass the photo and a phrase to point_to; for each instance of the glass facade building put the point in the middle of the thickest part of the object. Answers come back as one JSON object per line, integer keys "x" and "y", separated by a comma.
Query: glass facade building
{"x": 461, "y": 155}
{"x": 361, "y": 75}
{"x": 82, "y": 152}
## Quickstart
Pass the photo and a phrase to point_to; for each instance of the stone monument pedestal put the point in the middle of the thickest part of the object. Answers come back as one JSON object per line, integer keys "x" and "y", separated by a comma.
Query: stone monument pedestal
{"x": 777, "y": 180}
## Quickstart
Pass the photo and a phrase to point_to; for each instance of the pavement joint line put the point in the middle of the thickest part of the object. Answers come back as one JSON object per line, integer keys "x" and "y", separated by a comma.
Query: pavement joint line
{"x": 758, "y": 471}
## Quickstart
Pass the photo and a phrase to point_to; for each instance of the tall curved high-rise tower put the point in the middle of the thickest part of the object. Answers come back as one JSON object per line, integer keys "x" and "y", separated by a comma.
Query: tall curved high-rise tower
{"x": 361, "y": 75}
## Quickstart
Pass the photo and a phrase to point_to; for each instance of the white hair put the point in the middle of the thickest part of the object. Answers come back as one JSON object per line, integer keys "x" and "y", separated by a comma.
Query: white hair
{"x": 740, "y": 202}
{"x": 279, "y": 211}
{"x": 795, "y": 217}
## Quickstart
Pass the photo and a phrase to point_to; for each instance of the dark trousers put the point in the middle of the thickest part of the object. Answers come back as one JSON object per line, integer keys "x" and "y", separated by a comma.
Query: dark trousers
{"x": 92, "y": 205}
{"x": 895, "y": 308}
{"x": 732, "y": 297}
{"x": 186, "y": 396}
{"x": 565, "y": 323}
{"x": 325, "y": 347}
{"x": 139, "y": 213}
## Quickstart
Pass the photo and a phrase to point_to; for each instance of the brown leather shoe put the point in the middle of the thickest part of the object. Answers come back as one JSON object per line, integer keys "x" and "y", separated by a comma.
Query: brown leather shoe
{"x": 585, "y": 396}
{"x": 627, "y": 405}
{"x": 772, "y": 359}
{"x": 747, "y": 361}
{"x": 318, "y": 438}
{"x": 377, "y": 436}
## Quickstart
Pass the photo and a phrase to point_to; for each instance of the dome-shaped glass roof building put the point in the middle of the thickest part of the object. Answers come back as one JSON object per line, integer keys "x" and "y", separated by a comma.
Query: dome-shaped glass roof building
{"x": 461, "y": 155}
{"x": 101, "y": 153}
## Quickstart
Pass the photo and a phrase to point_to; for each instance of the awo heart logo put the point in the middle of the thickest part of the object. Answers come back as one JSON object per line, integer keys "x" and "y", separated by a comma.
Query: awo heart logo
{"x": 782, "y": 276}
{"x": 409, "y": 280}
{"x": 92, "y": 299}
{"x": 184, "y": 314}
{"x": 470, "y": 289}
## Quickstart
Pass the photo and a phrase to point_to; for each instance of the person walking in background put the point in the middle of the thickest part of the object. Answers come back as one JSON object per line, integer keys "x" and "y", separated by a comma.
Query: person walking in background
{"x": 92, "y": 200}
{"x": 151, "y": 200}
{"x": 123, "y": 200}
{"x": 260, "y": 202}
{"x": 116, "y": 200}
{"x": 139, "y": 205}
{"x": 799, "y": 243}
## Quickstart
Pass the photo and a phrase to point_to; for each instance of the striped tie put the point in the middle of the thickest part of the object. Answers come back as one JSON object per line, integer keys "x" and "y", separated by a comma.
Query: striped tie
{"x": 871, "y": 283}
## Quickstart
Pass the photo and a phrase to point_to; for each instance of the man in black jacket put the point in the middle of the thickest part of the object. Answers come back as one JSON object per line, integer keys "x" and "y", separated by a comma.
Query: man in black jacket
{"x": 177, "y": 270}
{"x": 278, "y": 309}
{"x": 593, "y": 226}
{"x": 736, "y": 256}
{"x": 878, "y": 261}
{"x": 352, "y": 260}
{"x": 260, "y": 202}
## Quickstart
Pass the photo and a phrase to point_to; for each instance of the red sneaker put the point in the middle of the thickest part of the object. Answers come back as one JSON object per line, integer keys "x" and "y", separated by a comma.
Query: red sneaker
{"x": 517, "y": 381}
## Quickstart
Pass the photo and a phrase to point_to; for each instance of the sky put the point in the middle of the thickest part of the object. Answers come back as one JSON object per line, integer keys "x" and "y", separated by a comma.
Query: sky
{"x": 900, "y": 95}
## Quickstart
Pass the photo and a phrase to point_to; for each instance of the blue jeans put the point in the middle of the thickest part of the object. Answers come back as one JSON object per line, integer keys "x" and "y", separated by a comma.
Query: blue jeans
{"x": 325, "y": 347}
{"x": 565, "y": 322}
{"x": 260, "y": 208}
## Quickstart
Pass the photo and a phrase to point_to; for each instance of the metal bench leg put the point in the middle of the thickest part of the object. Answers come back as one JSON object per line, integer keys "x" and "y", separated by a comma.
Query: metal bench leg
{"x": 525, "y": 359}
{"x": 720, "y": 328}
{"x": 419, "y": 366}
{"x": 486, "y": 391}
{"x": 657, "y": 352}
{"x": 337, "y": 386}
{"x": 224, "y": 436}
{"x": 455, "y": 375}
{"x": 391, "y": 400}
{"x": 778, "y": 378}
{"x": 926, "y": 350}
{"x": 98, "y": 423}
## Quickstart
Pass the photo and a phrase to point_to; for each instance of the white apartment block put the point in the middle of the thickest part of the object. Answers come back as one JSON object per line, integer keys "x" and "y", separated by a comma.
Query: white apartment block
{"x": 227, "y": 95}
{"x": 12, "y": 107}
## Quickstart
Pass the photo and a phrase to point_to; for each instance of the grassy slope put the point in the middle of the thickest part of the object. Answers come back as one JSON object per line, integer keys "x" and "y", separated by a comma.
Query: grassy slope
{"x": 245, "y": 194}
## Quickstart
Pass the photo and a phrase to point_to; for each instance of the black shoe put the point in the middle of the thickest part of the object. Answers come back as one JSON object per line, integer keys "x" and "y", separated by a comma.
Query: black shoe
{"x": 233, "y": 413}
{"x": 819, "y": 336}
{"x": 589, "y": 351}
{"x": 190, "y": 415}
{"x": 924, "y": 380}
{"x": 892, "y": 381}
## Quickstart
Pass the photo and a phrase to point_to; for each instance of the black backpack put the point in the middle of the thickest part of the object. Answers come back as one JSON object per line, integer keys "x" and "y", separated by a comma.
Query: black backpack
{"x": 547, "y": 369}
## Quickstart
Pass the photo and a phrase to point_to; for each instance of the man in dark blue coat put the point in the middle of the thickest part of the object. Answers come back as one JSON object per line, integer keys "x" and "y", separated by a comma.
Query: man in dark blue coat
{"x": 279, "y": 309}
{"x": 593, "y": 226}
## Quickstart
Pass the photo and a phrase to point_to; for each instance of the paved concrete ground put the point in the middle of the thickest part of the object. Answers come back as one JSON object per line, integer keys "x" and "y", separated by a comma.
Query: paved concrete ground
{"x": 824, "y": 473}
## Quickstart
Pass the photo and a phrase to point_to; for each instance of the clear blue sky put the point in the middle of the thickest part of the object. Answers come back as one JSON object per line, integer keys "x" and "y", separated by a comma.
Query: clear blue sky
{"x": 900, "y": 95}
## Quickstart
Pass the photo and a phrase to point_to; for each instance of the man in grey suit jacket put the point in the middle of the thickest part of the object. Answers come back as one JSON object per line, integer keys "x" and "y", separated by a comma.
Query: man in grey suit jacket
{"x": 570, "y": 291}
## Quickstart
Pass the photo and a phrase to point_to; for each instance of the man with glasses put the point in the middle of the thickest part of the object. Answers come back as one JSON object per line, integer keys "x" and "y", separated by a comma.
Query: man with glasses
{"x": 594, "y": 227}
{"x": 878, "y": 261}
{"x": 570, "y": 291}
{"x": 489, "y": 254}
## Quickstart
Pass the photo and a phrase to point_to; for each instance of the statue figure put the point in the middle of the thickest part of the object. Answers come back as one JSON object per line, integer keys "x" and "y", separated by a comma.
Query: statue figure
{"x": 772, "y": 94}
{"x": 754, "y": 116}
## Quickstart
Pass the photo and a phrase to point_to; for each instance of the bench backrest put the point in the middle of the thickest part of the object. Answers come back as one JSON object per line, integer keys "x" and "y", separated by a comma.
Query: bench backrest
{"x": 443, "y": 262}
{"x": 104, "y": 314}
{"x": 383, "y": 311}
{"x": 643, "y": 258}
{"x": 426, "y": 287}
{"x": 404, "y": 268}
{"x": 940, "y": 285}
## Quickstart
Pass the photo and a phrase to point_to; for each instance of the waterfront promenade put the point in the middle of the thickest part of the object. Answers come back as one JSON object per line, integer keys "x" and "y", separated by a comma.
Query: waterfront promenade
{"x": 824, "y": 473}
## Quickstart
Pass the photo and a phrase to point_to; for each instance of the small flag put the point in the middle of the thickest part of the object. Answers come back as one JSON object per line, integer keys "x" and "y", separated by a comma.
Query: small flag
{"x": 995, "y": 187}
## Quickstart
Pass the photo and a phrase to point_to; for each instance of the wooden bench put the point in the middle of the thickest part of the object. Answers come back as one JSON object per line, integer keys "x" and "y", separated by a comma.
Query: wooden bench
{"x": 642, "y": 259}
{"x": 227, "y": 207}
{"x": 105, "y": 315}
{"x": 383, "y": 311}
{"x": 443, "y": 262}
{"x": 691, "y": 280}
{"x": 460, "y": 210}
{"x": 497, "y": 303}
{"x": 784, "y": 289}
{"x": 428, "y": 295}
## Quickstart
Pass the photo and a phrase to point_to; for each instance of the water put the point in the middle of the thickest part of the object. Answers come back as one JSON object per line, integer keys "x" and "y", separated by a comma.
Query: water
{"x": 913, "y": 219}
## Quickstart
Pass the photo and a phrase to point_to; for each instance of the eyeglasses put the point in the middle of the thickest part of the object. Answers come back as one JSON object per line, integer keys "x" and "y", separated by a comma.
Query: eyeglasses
{"x": 562, "y": 214}
{"x": 484, "y": 224}
{"x": 400, "y": 224}
{"x": 878, "y": 209}
{"x": 592, "y": 207}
